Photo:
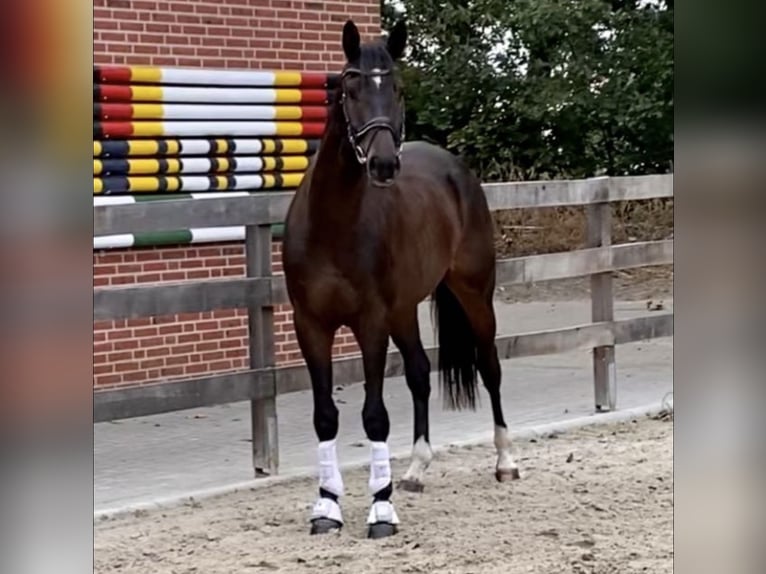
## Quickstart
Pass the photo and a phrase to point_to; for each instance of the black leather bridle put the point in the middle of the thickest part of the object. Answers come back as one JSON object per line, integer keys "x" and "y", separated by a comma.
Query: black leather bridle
{"x": 375, "y": 124}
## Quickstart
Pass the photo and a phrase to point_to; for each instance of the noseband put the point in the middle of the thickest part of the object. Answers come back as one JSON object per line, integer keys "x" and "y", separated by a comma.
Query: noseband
{"x": 375, "y": 124}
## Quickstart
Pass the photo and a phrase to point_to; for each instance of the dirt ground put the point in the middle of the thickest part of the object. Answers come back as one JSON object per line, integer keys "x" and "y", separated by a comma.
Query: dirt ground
{"x": 597, "y": 500}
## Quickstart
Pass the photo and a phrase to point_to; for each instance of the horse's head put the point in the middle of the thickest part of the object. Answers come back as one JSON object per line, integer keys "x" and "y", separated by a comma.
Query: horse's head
{"x": 372, "y": 101}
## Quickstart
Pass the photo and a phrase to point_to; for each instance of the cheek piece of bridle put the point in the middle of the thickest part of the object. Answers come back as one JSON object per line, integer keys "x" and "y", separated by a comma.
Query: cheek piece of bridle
{"x": 375, "y": 124}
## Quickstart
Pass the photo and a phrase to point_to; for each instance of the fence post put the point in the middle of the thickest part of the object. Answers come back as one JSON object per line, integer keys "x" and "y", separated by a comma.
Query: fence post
{"x": 602, "y": 306}
{"x": 261, "y": 342}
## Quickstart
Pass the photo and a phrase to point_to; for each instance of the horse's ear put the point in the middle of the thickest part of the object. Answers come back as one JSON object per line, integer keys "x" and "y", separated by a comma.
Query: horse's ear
{"x": 351, "y": 41}
{"x": 397, "y": 40}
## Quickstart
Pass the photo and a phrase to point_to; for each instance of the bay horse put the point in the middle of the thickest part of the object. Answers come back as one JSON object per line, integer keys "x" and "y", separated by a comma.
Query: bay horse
{"x": 374, "y": 229}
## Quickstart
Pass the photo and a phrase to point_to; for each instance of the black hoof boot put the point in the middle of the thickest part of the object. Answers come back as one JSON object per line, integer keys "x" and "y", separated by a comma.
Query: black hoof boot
{"x": 325, "y": 526}
{"x": 381, "y": 530}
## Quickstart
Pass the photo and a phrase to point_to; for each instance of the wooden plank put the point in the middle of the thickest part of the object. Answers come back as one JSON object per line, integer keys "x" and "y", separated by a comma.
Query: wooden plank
{"x": 553, "y": 341}
{"x": 179, "y": 395}
{"x": 208, "y": 295}
{"x": 146, "y": 216}
{"x": 271, "y": 207}
{"x": 261, "y": 345}
{"x": 550, "y": 266}
{"x": 279, "y": 290}
{"x": 602, "y": 308}
{"x": 641, "y": 254}
{"x": 583, "y": 262}
{"x": 184, "y": 297}
{"x": 349, "y": 370}
{"x": 552, "y": 193}
{"x": 631, "y": 188}
{"x": 259, "y": 384}
{"x": 346, "y": 370}
{"x": 557, "y": 193}
{"x": 643, "y": 328}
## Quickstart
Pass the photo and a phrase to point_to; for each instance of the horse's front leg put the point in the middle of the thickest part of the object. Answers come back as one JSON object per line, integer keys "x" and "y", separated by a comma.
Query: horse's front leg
{"x": 373, "y": 341}
{"x": 315, "y": 342}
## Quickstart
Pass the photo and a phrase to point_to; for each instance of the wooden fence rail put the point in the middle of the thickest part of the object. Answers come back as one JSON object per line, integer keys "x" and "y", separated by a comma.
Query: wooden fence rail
{"x": 210, "y": 294}
{"x": 259, "y": 291}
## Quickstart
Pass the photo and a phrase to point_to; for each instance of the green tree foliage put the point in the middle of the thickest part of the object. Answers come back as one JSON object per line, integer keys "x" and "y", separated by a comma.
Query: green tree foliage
{"x": 530, "y": 89}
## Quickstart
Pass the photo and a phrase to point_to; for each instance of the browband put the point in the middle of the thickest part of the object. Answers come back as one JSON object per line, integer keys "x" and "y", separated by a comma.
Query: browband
{"x": 376, "y": 123}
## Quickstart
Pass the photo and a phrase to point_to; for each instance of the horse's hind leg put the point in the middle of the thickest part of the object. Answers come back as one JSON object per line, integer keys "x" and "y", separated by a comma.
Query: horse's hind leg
{"x": 417, "y": 369}
{"x": 315, "y": 342}
{"x": 481, "y": 315}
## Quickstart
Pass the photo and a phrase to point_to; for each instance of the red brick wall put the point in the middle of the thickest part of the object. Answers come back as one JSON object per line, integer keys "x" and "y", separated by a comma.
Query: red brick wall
{"x": 258, "y": 34}
{"x": 264, "y": 34}
{"x": 150, "y": 349}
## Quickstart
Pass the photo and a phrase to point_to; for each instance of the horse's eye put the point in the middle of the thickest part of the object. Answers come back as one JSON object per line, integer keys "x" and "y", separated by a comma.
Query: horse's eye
{"x": 352, "y": 87}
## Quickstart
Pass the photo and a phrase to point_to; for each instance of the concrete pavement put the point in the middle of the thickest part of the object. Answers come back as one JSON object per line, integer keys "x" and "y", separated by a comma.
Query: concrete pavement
{"x": 144, "y": 459}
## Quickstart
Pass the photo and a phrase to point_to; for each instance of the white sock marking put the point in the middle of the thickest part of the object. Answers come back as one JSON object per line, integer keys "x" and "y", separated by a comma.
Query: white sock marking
{"x": 503, "y": 445}
{"x": 421, "y": 458}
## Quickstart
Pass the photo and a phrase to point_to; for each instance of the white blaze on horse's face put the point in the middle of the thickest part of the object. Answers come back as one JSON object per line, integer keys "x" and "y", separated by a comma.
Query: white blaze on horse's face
{"x": 377, "y": 78}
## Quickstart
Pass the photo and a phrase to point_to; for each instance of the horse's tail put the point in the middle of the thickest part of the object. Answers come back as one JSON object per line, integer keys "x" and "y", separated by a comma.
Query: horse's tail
{"x": 457, "y": 350}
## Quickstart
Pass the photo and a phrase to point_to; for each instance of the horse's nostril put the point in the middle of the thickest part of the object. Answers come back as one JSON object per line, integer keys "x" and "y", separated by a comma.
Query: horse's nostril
{"x": 383, "y": 168}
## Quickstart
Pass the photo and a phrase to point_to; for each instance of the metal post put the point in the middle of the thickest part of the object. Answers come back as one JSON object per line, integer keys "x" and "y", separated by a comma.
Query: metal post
{"x": 261, "y": 342}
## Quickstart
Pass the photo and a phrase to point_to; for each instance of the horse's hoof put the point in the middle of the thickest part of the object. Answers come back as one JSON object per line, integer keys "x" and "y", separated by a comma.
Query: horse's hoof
{"x": 325, "y": 525}
{"x": 411, "y": 485}
{"x": 381, "y": 530}
{"x": 507, "y": 474}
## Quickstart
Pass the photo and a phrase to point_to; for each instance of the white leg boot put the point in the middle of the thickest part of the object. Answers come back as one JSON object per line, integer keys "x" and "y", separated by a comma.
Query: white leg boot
{"x": 382, "y": 519}
{"x": 326, "y": 515}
